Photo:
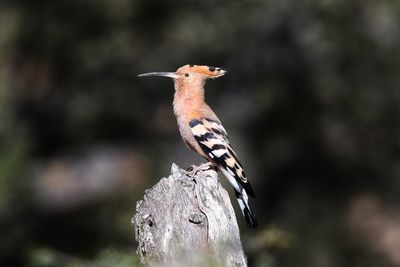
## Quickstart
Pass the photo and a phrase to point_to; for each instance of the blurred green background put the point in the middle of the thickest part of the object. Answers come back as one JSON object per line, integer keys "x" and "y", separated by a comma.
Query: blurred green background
{"x": 311, "y": 102}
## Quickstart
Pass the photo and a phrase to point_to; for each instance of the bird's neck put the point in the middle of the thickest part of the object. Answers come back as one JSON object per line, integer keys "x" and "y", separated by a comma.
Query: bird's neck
{"x": 188, "y": 98}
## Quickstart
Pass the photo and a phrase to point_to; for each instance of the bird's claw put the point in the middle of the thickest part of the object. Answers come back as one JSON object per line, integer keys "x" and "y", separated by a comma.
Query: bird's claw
{"x": 193, "y": 170}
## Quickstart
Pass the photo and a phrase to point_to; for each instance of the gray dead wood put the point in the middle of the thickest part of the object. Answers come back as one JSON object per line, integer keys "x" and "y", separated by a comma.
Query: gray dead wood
{"x": 187, "y": 220}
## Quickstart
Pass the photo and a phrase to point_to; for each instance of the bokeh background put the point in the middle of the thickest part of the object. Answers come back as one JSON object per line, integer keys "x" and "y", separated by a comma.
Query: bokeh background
{"x": 311, "y": 102}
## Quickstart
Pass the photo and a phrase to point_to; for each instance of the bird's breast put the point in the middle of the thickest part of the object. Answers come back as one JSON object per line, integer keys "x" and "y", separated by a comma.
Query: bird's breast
{"x": 183, "y": 120}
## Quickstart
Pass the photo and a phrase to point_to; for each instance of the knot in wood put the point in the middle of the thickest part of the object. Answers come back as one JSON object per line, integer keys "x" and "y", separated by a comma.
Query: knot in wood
{"x": 197, "y": 217}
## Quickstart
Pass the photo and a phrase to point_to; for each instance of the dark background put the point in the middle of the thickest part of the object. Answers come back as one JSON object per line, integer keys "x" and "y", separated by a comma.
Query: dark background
{"x": 311, "y": 102}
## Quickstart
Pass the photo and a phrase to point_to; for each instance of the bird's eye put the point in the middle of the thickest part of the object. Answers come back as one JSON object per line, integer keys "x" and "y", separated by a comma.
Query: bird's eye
{"x": 187, "y": 74}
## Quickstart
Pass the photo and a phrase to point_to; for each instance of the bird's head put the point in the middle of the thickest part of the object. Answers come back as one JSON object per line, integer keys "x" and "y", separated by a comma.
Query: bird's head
{"x": 190, "y": 74}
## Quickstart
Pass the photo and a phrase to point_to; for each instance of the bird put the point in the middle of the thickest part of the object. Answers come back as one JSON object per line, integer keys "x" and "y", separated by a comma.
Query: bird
{"x": 202, "y": 130}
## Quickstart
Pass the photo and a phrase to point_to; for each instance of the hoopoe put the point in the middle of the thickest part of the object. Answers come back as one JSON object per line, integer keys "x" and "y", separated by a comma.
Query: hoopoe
{"x": 203, "y": 132}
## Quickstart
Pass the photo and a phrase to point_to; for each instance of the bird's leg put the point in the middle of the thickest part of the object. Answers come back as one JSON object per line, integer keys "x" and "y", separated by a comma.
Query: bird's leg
{"x": 210, "y": 166}
{"x": 192, "y": 170}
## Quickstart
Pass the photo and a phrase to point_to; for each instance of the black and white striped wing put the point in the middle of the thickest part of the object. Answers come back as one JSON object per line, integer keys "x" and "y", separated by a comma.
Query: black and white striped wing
{"x": 214, "y": 141}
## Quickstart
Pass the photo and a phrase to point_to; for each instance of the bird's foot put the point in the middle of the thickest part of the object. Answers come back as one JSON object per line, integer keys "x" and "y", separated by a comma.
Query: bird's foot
{"x": 210, "y": 166}
{"x": 192, "y": 170}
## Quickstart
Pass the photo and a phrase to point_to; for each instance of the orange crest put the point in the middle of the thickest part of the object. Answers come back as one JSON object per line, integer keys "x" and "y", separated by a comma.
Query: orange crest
{"x": 207, "y": 71}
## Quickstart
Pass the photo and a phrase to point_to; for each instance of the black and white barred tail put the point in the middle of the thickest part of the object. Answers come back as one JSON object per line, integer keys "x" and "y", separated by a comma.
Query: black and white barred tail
{"x": 242, "y": 198}
{"x": 247, "y": 212}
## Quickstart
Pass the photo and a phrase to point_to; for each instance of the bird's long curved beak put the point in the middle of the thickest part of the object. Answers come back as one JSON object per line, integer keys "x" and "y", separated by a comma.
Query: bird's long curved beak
{"x": 162, "y": 74}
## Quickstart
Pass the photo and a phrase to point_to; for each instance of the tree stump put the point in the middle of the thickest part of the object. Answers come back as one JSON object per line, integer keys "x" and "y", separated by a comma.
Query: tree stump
{"x": 187, "y": 220}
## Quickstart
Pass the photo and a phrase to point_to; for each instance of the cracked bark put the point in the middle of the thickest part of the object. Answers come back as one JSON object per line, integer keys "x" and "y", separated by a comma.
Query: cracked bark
{"x": 188, "y": 218}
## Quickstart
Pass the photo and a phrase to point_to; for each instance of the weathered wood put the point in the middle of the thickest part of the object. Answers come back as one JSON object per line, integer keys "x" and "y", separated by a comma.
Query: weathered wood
{"x": 187, "y": 220}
